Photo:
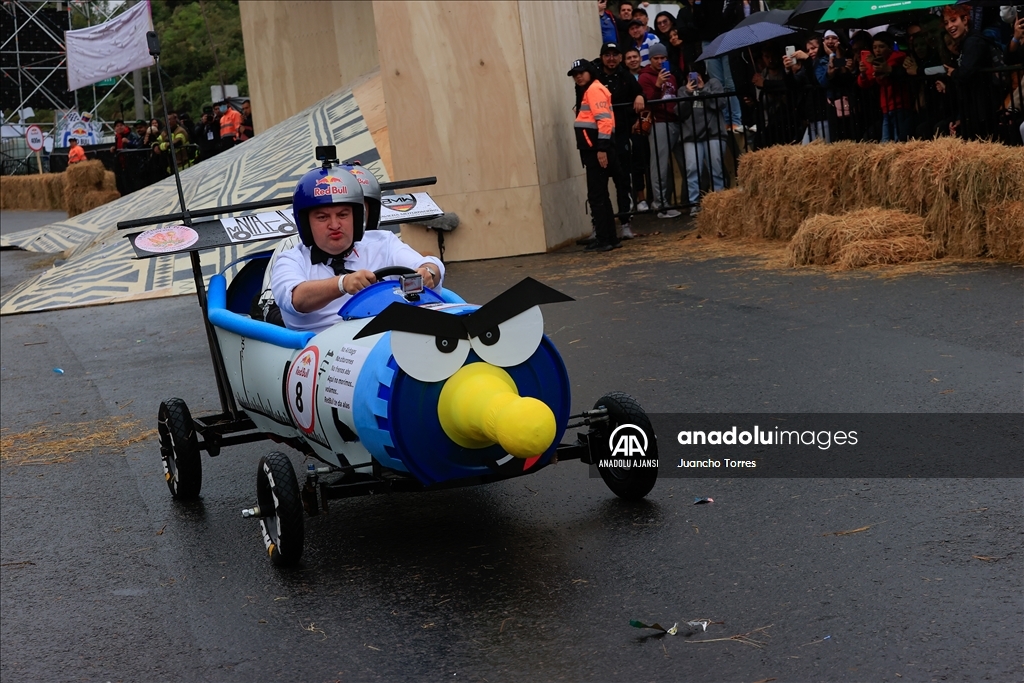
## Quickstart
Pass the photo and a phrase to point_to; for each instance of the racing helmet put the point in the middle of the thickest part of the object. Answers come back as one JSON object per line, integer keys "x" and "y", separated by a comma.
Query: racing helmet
{"x": 327, "y": 185}
{"x": 371, "y": 192}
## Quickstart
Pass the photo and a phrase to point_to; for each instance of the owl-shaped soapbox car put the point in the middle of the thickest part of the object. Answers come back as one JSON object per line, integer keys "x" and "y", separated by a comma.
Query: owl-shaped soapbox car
{"x": 409, "y": 391}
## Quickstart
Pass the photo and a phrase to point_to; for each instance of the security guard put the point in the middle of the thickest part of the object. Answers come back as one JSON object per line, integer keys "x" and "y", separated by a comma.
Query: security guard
{"x": 595, "y": 127}
{"x": 230, "y": 120}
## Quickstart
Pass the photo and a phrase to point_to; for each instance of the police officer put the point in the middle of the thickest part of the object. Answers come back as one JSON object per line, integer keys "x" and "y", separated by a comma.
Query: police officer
{"x": 626, "y": 91}
{"x": 595, "y": 128}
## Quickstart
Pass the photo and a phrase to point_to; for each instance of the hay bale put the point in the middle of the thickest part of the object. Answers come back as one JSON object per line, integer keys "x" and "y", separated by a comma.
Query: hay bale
{"x": 821, "y": 238}
{"x": 951, "y": 183}
{"x": 40, "y": 192}
{"x": 81, "y": 180}
{"x": 724, "y": 214}
{"x": 887, "y": 251}
{"x": 91, "y": 200}
{"x": 109, "y": 181}
{"x": 1004, "y": 231}
{"x": 85, "y": 175}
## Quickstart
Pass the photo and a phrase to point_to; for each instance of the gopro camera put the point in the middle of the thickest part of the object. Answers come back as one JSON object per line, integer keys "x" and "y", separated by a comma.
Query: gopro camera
{"x": 328, "y": 154}
{"x": 411, "y": 285}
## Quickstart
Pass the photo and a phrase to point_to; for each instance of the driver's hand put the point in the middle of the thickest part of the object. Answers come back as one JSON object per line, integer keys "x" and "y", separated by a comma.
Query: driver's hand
{"x": 428, "y": 277}
{"x": 359, "y": 280}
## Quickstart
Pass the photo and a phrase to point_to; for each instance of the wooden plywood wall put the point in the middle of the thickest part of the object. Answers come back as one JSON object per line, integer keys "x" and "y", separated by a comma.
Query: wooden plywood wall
{"x": 458, "y": 107}
{"x": 298, "y": 52}
{"x": 554, "y": 35}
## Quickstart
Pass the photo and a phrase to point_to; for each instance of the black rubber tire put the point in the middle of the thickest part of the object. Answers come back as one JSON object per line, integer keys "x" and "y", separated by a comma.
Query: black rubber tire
{"x": 179, "y": 450}
{"x": 279, "y": 498}
{"x": 628, "y": 483}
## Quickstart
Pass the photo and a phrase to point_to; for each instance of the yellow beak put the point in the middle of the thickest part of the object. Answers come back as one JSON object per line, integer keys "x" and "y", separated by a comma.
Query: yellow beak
{"x": 480, "y": 406}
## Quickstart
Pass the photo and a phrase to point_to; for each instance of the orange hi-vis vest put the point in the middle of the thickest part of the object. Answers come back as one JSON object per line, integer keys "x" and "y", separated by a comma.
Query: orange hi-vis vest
{"x": 229, "y": 123}
{"x": 595, "y": 121}
{"x": 76, "y": 154}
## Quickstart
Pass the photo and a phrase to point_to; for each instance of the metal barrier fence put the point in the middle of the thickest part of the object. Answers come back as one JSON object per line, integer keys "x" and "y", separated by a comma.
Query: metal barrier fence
{"x": 692, "y": 152}
{"x": 689, "y": 151}
{"x": 134, "y": 169}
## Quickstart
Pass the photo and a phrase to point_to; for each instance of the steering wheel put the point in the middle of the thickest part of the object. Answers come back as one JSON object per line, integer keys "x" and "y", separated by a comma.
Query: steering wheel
{"x": 392, "y": 270}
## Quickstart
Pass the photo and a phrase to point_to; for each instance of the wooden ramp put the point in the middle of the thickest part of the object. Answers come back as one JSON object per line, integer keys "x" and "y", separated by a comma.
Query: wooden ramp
{"x": 100, "y": 266}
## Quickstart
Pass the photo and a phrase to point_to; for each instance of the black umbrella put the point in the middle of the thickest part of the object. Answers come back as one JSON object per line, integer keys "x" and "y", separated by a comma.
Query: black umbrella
{"x": 772, "y": 16}
{"x": 808, "y": 13}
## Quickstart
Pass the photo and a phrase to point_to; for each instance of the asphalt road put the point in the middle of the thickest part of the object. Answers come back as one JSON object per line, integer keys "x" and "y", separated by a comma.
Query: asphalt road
{"x": 105, "y": 578}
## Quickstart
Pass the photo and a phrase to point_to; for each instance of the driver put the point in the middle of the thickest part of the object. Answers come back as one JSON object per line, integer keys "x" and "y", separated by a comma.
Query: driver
{"x": 336, "y": 258}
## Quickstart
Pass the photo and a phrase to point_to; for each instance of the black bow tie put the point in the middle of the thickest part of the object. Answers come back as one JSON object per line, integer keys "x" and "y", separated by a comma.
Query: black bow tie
{"x": 337, "y": 263}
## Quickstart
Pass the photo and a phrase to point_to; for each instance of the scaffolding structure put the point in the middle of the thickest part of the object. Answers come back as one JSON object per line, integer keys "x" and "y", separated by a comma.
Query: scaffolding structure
{"x": 33, "y": 54}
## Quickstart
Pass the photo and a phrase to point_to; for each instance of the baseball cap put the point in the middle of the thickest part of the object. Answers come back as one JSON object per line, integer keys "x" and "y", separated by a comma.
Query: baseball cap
{"x": 610, "y": 47}
{"x": 578, "y": 66}
{"x": 657, "y": 50}
{"x": 830, "y": 33}
{"x": 636, "y": 22}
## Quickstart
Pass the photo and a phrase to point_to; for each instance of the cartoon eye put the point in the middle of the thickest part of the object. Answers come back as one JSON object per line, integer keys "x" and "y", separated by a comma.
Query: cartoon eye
{"x": 513, "y": 341}
{"x": 428, "y": 358}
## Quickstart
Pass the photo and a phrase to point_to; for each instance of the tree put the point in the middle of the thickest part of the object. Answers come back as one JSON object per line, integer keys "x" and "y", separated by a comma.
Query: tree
{"x": 186, "y": 59}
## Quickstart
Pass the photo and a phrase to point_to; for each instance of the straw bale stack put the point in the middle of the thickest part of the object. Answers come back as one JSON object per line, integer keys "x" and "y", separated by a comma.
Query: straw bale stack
{"x": 1004, "y": 233}
{"x": 955, "y": 186}
{"x": 722, "y": 215}
{"x": 85, "y": 184}
{"x": 887, "y": 251}
{"x": 41, "y": 192}
{"x": 822, "y": 239}
{"x": 96, "y": 198}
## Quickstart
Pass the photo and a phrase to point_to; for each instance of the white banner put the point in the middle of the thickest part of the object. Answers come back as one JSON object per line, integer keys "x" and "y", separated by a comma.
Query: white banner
{"x": 112, "y": 48}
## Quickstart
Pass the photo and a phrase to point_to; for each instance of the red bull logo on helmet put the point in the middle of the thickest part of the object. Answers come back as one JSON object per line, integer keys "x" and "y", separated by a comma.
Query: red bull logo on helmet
{"x": 328, "y": 186}
{"x": 360, "y": 175}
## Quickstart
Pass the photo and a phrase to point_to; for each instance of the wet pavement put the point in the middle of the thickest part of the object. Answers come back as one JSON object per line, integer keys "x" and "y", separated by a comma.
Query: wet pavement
{"x": 104, "y": 577}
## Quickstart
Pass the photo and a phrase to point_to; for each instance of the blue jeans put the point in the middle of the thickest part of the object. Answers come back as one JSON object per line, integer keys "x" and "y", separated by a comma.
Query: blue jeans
{"x": 896, "y": 126}
{"x": 697, "y": 155}
{"x": 718, "y": 67}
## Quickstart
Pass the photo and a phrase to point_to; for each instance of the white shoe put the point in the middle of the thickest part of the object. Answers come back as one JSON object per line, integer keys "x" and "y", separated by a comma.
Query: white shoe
{"x": 626, "y": 233}
{"x": 671, "y": 213}
{"x": 694, "y": 211}
{"x": 642, "y": 206}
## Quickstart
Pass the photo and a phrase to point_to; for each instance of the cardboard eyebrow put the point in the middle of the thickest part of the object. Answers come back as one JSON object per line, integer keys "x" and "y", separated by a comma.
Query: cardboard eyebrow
{"x": 510, "y": 303}
{"x": 405, "y": 318}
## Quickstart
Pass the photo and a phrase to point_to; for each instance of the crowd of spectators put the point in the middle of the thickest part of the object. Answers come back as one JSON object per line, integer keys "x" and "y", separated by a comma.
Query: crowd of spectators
{"x": 142, "y": 151}
{"x": 955, "y": 71}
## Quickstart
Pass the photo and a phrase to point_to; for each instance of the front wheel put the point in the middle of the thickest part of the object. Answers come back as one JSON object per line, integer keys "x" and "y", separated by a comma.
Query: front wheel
{"x": 280, "y": 502}
{"x": 631, "y": 482}
{"x": 179, "y": 449}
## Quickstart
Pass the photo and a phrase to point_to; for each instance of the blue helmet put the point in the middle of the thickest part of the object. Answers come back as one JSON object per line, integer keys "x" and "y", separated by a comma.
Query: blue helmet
{"x": 371, "y": 192}
{"x": 323, "y": 186}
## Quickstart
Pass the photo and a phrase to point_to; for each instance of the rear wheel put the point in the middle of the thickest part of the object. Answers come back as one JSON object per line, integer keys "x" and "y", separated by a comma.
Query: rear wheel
{"x": 179, "y": 449}
{"x": 629, "y": 483}
{"x": 279, "y": 499}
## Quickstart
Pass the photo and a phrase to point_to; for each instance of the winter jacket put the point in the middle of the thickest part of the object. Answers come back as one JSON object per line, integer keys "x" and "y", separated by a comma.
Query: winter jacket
{"x": 649, "y": 83}
{"x": 893, "y": 88}
{"x": 609, "y": 29}
{"x": 595, "y": 122}
{"x": 702, "y": 118}
{"x": 624, "y": 89}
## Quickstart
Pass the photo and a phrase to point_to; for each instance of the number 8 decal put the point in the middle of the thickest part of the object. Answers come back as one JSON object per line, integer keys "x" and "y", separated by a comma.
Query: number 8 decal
{"x": 301, "y": 388}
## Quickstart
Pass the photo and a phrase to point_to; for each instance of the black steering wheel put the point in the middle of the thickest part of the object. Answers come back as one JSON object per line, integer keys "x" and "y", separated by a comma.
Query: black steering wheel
{"x": 392, "y": 270}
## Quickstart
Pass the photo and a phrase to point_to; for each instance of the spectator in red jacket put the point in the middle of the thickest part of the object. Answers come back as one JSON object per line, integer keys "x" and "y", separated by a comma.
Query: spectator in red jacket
{"x": 885, "y": 69}
{"x": 657, "y": 82}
